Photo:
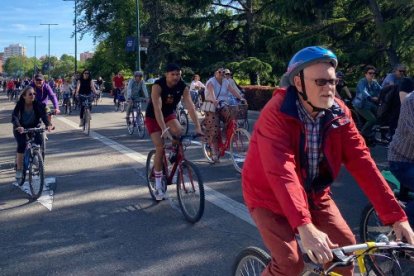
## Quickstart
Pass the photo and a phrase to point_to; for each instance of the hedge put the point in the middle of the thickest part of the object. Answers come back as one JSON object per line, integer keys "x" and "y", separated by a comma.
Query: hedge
{"x": 257, "y": 96}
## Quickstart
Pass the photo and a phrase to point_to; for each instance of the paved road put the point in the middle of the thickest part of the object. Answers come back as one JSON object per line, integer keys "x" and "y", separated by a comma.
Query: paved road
{"x": 102, "y": 219}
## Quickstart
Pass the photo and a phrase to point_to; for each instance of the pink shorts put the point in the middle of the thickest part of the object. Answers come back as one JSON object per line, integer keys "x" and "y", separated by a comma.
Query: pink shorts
{"x": 152, "y": 124}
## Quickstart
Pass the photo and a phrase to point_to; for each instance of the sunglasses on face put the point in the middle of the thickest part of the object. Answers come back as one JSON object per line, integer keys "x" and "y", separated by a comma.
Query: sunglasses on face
{"x": 86, "y": 73}
{"x": 402, "y": 71}
{"x": 31, "y": 94}
{"x": 371, "y": 73}
{"x": 39, "y": 80}
{"x": 323, "y": 82}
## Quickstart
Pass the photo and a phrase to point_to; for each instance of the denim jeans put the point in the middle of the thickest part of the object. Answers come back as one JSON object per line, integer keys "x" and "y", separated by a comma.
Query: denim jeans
{"x": 404, "y": 172}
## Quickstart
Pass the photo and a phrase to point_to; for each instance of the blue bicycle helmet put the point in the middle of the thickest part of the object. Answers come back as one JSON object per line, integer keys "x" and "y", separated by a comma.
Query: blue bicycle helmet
{"x": 307, "y": 56}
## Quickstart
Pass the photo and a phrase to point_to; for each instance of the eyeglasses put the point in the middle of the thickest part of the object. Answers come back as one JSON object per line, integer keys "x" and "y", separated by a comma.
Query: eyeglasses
{"x": 31, "y": 94}
{"x": 39, "y": 80}
{"x": 403, "y": 71}
{"x": 371, "y": 73}
{"x": 323, "y": 82}
{"x": 227, "y": 74}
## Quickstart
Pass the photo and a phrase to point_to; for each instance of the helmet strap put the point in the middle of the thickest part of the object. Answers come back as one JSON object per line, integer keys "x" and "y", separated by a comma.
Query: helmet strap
{"x": 305, "y": 96}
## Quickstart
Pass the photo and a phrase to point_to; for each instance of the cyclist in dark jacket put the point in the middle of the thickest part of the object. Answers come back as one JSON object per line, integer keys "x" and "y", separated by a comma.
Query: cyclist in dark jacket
{"x": 27, "y": 114}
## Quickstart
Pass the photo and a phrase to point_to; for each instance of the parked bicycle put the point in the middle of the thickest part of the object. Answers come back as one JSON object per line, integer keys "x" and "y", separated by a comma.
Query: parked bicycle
{"x": 381, "y": 258}
{"x": 136, "y": 119}
{"x": 236, "y": 139}
{"x": 33, "y": 165}
{"x": 86, "y": 101}
{"x": 182, "y": 117}
{"x": 181, "y": 172}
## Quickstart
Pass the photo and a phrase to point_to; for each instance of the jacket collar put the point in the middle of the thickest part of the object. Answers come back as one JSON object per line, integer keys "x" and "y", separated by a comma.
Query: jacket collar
{"x": 335, "y": 112}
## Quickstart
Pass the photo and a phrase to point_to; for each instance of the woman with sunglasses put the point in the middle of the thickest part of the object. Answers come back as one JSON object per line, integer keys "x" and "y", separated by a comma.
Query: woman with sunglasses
{"x": 366, "y": 100}
{"x": 85, "y": 87}
{"x": 218, "y": 92}
{"x": 27, "y": 114}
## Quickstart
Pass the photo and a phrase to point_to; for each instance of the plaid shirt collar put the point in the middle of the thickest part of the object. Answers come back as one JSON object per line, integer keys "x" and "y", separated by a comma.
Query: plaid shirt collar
{"x": 313, "y": 138}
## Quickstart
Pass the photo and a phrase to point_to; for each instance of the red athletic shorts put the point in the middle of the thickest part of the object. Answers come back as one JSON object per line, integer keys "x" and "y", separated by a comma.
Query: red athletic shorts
{"x": 152, "y": 124}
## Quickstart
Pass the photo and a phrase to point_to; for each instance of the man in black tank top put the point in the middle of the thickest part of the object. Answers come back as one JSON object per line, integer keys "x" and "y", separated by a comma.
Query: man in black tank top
{"x": 160, "y": 118}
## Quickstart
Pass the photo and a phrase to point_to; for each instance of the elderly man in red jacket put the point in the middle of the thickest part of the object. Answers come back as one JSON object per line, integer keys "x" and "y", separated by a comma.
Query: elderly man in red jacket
{"x": 301, "y": 139}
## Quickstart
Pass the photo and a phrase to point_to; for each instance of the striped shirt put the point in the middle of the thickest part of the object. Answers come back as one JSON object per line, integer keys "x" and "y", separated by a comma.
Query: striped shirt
{"x": 313, "y": 139}
{"x": 401, "y": 148}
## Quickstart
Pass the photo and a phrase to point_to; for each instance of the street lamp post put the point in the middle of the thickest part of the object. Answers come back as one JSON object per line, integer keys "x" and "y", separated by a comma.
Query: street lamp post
{"x": 76, "y": 39}
{"x": 48, "y": 66}
{"x": 138, "y": 61}
{"x": 35, "y": 61}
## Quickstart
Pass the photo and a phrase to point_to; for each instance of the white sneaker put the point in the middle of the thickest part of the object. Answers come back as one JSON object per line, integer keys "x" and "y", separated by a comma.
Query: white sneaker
{"x": 159, "y": 195}
{"x": 19, "y": 175}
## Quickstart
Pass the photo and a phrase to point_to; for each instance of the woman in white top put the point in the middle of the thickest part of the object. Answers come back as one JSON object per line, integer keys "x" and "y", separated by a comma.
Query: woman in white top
{"x": 218, "y": 91}
{"x": 197, "y": 88}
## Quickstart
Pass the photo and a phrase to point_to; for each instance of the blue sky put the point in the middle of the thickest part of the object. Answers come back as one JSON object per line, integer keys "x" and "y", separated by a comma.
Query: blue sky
{"x": 21, "y": 18}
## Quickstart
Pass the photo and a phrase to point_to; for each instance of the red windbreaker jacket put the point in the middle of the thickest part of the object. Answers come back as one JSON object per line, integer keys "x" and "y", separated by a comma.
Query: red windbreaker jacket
{"x": 274, "y": 173}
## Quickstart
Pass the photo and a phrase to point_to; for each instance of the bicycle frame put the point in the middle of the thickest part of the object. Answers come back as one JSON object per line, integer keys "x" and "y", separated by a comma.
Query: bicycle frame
{"x": 231, "y": 128}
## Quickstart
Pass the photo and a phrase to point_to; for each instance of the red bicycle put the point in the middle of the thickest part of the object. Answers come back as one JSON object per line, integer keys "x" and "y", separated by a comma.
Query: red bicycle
{"x": 236, "y": 139}
{"x": 185, "y": 174}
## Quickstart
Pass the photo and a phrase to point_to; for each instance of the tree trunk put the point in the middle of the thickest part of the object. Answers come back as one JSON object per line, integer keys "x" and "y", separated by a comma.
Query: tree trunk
{"x": 379, "y": 22}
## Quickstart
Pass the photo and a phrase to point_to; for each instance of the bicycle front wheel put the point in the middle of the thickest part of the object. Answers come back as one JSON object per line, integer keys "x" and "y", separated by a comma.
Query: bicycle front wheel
{"x": 251, "y": 261}
{"x": 36, "y": 175}
{"x": 87, "y": 121}
{"x": 149, "y": 172}
{"x": 190, "y": 191}
{"x": 239, "y": 144}
{"x": 208, "y": 152}
{"x": 140, "y": 125}
{"x": 183, "y": 119}
{"x": 131, "y": 122}
{"x": 397, "y": 261}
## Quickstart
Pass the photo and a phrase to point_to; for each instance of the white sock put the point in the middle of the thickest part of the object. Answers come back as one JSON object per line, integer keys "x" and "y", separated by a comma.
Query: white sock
{"x": 158, "y": 178}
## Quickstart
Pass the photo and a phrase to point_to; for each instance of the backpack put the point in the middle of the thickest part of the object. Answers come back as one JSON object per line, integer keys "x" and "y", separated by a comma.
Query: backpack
{"x": 388, "y": 104}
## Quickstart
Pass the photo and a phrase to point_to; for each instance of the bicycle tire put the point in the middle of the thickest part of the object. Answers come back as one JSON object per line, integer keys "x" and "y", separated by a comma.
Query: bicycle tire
{"x": 208, "y": 152}
{"x": 239, "y": 145}
{"x": 391, "y": 262}
{"x": 43, "y": 146}
{"x": 140, "y": 123}
{"x": 26, "y": 163}
{"x": 190, "y": 195}
{"x": 87, "y": 122}
{"x": 149, "y": 172}
{"x": 183, "y": 119}
{"x": 250, "y": 261}
{"x": 370, "y": 226}
{"x": 122, "y": 107}
{"x": 132, "y": 123}
{"x": 36, "y": 172}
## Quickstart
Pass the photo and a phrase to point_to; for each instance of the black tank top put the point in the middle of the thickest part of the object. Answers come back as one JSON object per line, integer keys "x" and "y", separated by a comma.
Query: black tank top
{"x": 170, "y": 97}
{"x": 85, "y": 87}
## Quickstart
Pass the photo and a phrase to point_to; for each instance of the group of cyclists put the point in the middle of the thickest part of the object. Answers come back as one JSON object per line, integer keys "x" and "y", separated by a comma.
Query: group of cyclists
{"x": 302, "y": 137}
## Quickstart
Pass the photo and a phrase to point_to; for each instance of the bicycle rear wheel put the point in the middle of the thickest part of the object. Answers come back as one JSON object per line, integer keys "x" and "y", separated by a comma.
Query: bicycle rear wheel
{"x": 140, "y": 123}
{"x": 251, "y": 261}
{"x": 149, "y": 168}
{"x": 391, "y": 262}
{"x": 190, "y": 191}
{"x": 239, "y": 144}
{"x": 131, "y": 122}
{"x": 36, "y": 175}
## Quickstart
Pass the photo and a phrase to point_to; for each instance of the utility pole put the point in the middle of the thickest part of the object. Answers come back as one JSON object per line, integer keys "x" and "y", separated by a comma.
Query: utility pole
{"x": 35, "y": 61}
{"x": 76, "y": 29}
{"x": 48, "y": 66}
{"x": 138, "y": 61}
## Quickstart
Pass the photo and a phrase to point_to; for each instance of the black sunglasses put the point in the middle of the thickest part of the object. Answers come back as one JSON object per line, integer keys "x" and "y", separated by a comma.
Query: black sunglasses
{"x": 323, "y": 82}
{"x": 31, "y": 94}
{"x": 371, "y": 73}
{"x": 39, "y": 80}
{"x": 403, "y": 71}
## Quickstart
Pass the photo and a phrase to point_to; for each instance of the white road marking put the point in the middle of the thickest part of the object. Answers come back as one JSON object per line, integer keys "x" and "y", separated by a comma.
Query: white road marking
{"x": 46, "y": 198}
{"x": 220, "y": 200}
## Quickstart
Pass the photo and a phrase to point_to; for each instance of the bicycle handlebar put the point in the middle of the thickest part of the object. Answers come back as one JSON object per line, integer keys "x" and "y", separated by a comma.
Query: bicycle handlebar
{"x": 34, "y": 130}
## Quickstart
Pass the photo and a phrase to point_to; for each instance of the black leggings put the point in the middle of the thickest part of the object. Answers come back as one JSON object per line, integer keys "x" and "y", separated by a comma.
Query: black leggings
{"x": 21, "y": 140}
